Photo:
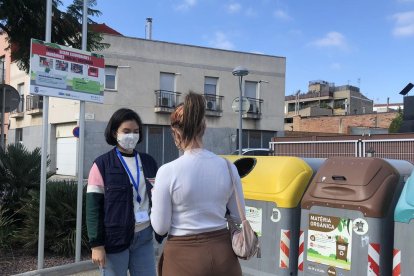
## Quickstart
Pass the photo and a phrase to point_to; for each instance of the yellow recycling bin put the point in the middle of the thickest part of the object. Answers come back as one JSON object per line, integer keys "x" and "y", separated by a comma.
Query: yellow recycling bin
{"x": 273, "y": 187}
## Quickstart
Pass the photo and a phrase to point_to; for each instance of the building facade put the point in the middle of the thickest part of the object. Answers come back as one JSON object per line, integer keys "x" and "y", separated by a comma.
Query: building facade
{"x": 5, "y": 61}
{"x": 152, "y": 77}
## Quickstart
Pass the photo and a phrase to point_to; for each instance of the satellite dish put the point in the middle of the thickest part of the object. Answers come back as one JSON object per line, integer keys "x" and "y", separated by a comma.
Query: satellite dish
{"x": 12, "y": 98}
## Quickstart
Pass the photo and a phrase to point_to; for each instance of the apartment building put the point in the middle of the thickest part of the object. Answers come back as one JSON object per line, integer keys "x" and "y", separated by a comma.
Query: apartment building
{"x": 325, "y": 99}
{"x": 152, "y": 77}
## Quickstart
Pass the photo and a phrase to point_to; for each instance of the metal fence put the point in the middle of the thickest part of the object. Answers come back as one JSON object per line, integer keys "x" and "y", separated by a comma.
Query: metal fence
{"x": 400, "y": 149}
{"x": 316, "y": 149}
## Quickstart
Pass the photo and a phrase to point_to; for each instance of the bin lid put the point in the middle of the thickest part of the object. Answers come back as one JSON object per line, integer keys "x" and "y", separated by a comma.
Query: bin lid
{"x": 279, "y": 179}
{"x": 404, "y": 211}
{"x": 355, "y": 183}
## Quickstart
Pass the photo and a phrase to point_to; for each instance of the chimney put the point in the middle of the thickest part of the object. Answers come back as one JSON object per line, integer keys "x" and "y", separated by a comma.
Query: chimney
{"x": 388, "y": 104}
{"x": 148, "y": 28}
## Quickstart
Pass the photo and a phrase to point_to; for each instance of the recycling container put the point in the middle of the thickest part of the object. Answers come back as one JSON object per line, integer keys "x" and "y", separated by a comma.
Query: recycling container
{"x": 404, "y": 231}
{"x": 273, "y": 187}
{"x": 347, "y": 217}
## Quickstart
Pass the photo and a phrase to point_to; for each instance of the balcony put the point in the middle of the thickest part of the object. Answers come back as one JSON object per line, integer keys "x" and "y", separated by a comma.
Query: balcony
{"x": 19, "y": 111}
{"x": 34, "y": 104}
{"x": 166, "y": 101}
{"x": 213, "y": 105}
{"x": 255, "y": 110}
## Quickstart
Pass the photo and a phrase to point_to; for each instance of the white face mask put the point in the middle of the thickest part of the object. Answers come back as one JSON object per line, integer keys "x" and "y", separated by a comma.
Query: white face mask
{"x": 127, "y": 141}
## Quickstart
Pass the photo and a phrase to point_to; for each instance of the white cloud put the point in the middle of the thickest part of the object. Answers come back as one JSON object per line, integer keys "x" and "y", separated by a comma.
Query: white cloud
{"x": 233, "y": 8}
{"x": 221, "y": 41}
{"x": 186, "y": 5}
{"x": 404, "y": 24}
{"x": 331, "y": 39}
{"x": 250, "y": 12}
{"x": 336, "y": 66}
{"x": 280, "y": 14}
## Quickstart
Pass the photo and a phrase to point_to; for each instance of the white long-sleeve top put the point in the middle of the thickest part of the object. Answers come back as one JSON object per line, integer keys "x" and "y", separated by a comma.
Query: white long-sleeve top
{"x": 191, "y": 194}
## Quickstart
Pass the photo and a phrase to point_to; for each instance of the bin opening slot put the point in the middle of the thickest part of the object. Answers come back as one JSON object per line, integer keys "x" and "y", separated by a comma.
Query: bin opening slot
{"x": 245, "y": 165}
{"x": 338, "y": 178}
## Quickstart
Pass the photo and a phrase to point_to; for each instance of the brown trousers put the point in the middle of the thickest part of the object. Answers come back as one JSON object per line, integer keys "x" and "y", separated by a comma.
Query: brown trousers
{"x": 206, "y": 254}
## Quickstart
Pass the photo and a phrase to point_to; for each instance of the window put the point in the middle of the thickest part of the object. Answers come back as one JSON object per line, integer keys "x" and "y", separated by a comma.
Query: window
{"x": 110, "y": 77}
{"x": 19, "y": 135}
{"x": 210, "y": 85}
{"x": 167, "y": 95}
{"x": 250, "y": 89}
{"x": 20, "y": 89}
{"x": 167, "y": 82}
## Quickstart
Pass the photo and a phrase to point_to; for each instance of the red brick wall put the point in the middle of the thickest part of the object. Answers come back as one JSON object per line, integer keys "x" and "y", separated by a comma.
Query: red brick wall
{"x": 342, "y": 124}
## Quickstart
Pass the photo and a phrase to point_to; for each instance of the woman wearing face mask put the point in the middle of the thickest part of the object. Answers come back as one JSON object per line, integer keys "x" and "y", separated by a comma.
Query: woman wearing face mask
{"x": 118, "y": 201}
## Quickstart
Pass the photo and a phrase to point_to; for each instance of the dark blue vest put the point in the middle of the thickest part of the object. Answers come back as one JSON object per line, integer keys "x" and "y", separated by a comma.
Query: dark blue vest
{"x": 119, "y": 220}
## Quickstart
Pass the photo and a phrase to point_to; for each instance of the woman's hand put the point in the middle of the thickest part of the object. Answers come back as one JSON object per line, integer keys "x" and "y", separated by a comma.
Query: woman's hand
{"x": 98, "y": 256}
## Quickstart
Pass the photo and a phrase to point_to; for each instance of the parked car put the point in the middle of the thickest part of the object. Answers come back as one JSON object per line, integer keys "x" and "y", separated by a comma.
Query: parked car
{"x": 254, "y": 152}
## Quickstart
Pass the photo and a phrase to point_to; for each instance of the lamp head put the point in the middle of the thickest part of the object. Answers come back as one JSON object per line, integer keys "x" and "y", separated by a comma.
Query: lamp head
{"x": 240, "y": 71}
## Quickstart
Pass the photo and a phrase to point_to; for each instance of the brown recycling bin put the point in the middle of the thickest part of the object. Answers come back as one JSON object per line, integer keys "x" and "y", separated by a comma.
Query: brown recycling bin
{"x": 347, "y": 216}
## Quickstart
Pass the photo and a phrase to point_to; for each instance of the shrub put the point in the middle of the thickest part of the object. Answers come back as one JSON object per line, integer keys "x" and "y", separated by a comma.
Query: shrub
{"x": 60, "y": 221}
{"x": 7, "y": 229}
{"x": 396, "y": 123}
{"x": 19, "y": 173}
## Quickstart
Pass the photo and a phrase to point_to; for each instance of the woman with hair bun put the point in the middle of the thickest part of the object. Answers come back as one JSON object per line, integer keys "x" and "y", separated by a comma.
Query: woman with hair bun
{"x": 190, "y": 198}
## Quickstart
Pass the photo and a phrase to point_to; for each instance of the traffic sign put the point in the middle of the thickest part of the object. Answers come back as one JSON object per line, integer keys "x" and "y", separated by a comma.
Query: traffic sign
{"x": 12, "y": 98}
{"x": 245, "y": 105}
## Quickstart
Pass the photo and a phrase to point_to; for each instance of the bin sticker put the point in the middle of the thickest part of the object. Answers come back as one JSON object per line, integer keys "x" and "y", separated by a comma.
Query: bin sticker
{"x": 254, "y": 216}
{"x": 360, "y": 226}
{"x": 276, "y": 215}
{"x": 329, "y": 241}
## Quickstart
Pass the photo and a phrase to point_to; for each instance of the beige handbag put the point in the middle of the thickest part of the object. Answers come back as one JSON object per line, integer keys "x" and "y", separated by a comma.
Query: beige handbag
{"x": 244, "y": 240}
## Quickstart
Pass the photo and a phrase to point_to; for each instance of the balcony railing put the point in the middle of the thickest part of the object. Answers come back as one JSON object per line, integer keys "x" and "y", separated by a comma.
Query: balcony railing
{"x": 255, "y": 109}
{"x": 34, "y": 104}
{"x": 213, "y": 105}
{"x": 166, "y": 101}
{"x": 18, "y": 112}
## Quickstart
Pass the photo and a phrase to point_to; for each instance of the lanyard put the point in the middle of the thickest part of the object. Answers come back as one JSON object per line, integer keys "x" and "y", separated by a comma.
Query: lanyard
{"x": 135, "y": 184}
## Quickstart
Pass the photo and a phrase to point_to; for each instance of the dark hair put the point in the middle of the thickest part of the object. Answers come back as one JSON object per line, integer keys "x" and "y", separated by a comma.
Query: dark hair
{"x": 188, "y": 118}
{"x": 120, "y": 116}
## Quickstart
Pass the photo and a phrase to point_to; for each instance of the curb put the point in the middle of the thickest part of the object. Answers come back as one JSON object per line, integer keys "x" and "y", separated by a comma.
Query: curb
{"x": 67, "y": 269}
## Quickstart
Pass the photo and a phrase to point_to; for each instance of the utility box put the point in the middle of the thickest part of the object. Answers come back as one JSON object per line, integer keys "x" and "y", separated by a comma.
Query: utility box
{"x": 273, "y": 187}
{"x": 347, "y": 217}
{"x": 403, "y": 253}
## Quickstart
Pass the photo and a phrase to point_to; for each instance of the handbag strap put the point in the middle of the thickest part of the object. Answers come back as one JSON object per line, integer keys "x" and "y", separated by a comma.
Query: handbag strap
{"x": 241, "y": 211}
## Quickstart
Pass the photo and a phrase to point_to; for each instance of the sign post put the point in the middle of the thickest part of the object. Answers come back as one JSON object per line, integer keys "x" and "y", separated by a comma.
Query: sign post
{"x": 69, "y": 73}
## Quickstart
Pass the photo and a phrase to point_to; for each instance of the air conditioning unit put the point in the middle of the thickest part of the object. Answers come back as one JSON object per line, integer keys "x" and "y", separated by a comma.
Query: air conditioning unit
{"x": 253, "y": 108}
{"x": 211, "y": 105}
{"x": 165, "y": 102}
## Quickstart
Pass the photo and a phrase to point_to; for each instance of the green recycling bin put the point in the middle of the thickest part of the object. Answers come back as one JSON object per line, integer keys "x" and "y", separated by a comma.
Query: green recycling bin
{"x": 404, "y": 231}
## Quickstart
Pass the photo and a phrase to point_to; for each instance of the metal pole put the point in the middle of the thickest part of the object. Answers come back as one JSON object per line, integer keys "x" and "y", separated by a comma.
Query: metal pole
{"x": 81, "y": 147}
{"x": 240, "y": 116}
{"x": 3, "y": 112}
{"x": 43, "y": 169}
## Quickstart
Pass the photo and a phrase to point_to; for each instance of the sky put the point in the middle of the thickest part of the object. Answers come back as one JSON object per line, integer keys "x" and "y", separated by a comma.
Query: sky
{"x": 364, "y": 43}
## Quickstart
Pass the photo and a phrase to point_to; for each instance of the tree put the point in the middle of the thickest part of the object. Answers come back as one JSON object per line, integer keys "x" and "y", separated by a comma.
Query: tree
{"x": 22, "y": 20}
{"x": 396, "y": 123}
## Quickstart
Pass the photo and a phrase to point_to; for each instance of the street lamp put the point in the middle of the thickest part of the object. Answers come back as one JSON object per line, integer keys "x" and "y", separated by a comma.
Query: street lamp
{"x": 240, "y": 71}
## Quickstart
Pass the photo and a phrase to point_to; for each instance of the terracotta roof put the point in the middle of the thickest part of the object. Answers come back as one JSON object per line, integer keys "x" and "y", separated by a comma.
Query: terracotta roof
{"x": 104, "y": 29}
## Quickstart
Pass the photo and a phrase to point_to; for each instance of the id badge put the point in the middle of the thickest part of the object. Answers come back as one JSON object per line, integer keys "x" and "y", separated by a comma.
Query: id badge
{"x": 141, "y": 216}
